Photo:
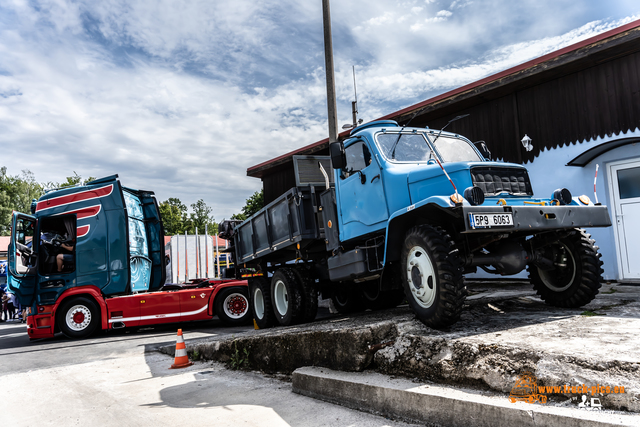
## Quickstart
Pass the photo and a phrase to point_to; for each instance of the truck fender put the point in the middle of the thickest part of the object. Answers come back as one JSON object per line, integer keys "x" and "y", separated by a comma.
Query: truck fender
{"x": 218, "y": 288}
{"x": 403, "y": 219}
{"x": 92, "y": 291}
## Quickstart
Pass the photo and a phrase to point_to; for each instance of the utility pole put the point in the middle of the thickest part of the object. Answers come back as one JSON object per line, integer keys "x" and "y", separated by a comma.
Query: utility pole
{"x": 328, "y": 64}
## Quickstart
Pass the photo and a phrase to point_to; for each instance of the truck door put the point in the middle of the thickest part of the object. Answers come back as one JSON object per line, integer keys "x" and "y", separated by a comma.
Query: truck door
{"x": 21, "y": 280}
{"x": 362, "y": 203}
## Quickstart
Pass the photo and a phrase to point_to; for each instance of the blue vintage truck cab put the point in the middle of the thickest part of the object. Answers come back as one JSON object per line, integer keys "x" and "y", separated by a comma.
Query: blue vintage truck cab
{"x": 408, "y": 212}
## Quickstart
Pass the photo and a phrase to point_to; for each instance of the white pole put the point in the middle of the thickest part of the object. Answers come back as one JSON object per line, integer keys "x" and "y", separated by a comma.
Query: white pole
{"x": 198, "y": 275}
{"x": 206, "y": 247}
{"x": 186, "y": 259}
{"x": 217, "y": 256}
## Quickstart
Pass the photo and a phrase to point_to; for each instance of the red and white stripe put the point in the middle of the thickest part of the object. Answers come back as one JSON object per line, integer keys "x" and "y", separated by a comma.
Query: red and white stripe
{"x": 94, "y": 193}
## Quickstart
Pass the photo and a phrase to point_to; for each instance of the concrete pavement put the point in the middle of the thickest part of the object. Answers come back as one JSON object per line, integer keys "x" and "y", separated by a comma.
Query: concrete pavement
{"x": 137, "y": 389}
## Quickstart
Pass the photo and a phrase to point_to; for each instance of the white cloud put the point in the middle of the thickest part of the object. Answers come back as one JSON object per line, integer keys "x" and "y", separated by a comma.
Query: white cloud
{"x": 181, "y": 98}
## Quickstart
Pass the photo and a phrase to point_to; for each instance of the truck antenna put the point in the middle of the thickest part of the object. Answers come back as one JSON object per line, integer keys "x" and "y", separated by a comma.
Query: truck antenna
{"x": 354, "y": 104}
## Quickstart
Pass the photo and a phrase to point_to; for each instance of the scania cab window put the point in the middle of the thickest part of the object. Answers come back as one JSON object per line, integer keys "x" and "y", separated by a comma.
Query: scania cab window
{"x": 455, "y": 149}
{"x": 358, "y": 158}
{"x": 409, "y": 147}
{"x": 25, "y": 258}
{"x": 57, "y": 251}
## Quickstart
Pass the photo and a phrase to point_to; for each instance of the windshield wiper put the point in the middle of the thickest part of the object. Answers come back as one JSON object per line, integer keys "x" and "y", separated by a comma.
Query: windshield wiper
{"x": 448, "y": 123}
{"x": 395, "y": 144}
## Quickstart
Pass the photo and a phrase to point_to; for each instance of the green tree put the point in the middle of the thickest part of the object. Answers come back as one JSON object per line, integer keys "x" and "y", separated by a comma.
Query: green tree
{"x": 201, "y": 218}
{"x": 173, "y": 213}
{"x": 16, "y": 194}
{"x": 71, "y": 181}
{"x": 252, "y": 205}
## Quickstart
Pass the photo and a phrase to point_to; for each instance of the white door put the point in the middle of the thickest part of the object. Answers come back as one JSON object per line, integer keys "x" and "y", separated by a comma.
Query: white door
{"x": 625, "y": 188}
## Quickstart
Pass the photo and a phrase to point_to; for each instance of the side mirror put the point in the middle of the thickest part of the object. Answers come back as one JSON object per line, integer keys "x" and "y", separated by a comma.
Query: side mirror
{"x": 338, "y": 158}
{"x": 482, "y": 147}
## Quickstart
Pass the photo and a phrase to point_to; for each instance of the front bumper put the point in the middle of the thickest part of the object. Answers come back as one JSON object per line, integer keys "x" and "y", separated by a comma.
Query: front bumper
{"x": 40, "y": 326}
{"x": 539, "y": 218}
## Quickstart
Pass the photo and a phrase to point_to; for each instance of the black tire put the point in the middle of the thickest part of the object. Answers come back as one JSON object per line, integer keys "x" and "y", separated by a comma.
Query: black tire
{"x": 260, "y": 299}
{"x": 78, "y": 317}
{"x": 232, "y": 306}
{"x": 578, "y": 278}
{"x": 437, "y": 300}
{"x": 286, "y": 297}
{"x": 372, "y": 296}
{"x": 309, "y": 295}
{"x": 347, "y": 299}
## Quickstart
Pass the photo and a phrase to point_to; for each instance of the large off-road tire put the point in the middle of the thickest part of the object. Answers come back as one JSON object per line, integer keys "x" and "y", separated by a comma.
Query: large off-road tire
{"x": 347, "y": 299}
{"x": 78, "y": 317}
{"x": 577, "y": 277}
{"x": 286, "y": 297}
{"x": 260, "y": 299}
{"x": 309, "y": 295}
{"x": 232, "y": 306}
{"x": 432, "y": 276}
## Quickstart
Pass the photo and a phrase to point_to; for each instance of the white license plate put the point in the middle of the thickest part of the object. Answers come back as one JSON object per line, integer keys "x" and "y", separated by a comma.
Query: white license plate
{"x": 484, "y": 220}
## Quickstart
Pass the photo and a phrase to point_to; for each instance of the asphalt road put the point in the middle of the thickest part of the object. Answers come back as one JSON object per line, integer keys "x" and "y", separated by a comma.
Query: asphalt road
{"x": 117, "y": 378}
{"x": 19, "y": 354}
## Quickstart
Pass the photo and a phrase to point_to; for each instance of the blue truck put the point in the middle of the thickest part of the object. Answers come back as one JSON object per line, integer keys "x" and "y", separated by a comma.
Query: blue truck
{"x": 91, "y": 257}
{"x": 406, "y": 213}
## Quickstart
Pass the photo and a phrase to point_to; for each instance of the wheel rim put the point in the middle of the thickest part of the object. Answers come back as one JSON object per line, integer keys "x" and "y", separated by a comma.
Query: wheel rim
{"x": 78, "y": 318}
{"x": 563, "y": 276}
{"x": 235, "y": 305}
{"x": 258, "y": 303}
{"x": 421, "y": 277}
{"x": 281, "y": 298}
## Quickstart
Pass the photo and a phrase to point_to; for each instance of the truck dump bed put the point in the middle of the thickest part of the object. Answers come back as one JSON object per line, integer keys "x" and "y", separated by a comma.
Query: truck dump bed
{"x": 290, "y": 219}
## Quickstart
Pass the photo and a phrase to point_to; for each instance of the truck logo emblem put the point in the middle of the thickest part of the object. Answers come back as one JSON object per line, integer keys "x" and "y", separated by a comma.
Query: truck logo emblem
{"x": 202, "y": 295}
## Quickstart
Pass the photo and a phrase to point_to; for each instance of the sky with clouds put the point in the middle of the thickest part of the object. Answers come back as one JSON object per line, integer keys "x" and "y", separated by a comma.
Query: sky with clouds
{"x": 181, "y": 97}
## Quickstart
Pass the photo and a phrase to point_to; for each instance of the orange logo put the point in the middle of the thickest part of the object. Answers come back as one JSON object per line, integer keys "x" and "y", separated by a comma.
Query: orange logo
{"x": 526, "y": 390}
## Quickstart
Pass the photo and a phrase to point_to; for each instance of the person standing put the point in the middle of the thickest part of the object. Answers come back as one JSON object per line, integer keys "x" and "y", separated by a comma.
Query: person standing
{"x": 3, "y": 305}
{"x": 11, "y": 307}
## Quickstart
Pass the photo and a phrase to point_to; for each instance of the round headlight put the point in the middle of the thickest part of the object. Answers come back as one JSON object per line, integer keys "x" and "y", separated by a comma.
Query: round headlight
{"x": 563, "y": 196}
{"x": 474, "y": 195}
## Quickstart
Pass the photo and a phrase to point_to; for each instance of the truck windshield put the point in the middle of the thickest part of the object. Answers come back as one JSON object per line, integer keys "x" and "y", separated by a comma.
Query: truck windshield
{"x": 414, "y": 148}
{"x": 411, "y": 147}
{"x": 453, "y": 149}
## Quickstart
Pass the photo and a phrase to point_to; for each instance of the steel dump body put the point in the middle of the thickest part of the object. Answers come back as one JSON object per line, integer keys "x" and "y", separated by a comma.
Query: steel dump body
{"x": 289, "y": 220}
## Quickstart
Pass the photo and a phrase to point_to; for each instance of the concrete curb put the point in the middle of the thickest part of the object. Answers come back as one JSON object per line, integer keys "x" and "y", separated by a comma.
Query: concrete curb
{"x": 437, "y": 405}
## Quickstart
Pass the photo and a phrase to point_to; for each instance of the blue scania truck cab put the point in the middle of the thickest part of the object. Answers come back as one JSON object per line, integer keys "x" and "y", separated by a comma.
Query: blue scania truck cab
{"x": 84, "y": 243}
{"x": 405, "y": 213}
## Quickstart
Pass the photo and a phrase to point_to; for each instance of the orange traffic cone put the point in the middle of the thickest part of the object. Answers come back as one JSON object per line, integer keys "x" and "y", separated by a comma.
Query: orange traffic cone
{"x": 181, "y": 360}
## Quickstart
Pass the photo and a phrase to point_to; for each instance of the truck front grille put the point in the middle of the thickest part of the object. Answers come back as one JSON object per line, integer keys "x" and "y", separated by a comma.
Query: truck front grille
{"x": 495, "y": 180}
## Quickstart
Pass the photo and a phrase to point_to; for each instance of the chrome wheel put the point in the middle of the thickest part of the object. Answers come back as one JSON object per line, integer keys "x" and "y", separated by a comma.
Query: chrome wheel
{"x": 78, "y": 318}
{"x": 235, "y": 305}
